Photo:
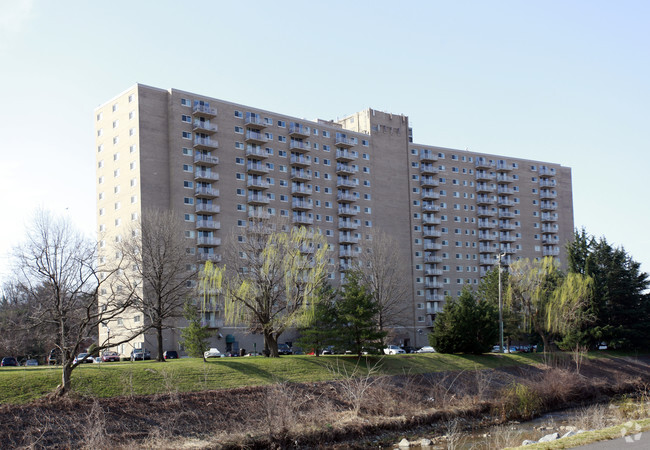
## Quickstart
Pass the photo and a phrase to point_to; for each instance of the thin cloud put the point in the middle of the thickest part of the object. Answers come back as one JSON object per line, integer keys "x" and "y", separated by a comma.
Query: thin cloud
{"x": 14, "y": 14}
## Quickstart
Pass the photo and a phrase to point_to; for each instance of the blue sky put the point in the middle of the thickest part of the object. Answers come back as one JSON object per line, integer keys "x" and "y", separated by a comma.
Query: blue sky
{"x": 565, "y": 82}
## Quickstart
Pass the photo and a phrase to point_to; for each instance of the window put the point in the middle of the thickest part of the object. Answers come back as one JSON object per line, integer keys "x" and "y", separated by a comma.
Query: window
{"x": 188, "y": 200}
{"x": 282, "y": 139}
{"x": 188, "y": 184}
{"x": 187, "y": 135}
{"x": 239, "y": 114}
{"x": 185, "y": 102}
{"x": 239, "y": 130}
{"x": 282, "y": 124}
{"x": 185, "y": 118}
{"x": 115, "y": 107}
{"x": 187, "y": 167}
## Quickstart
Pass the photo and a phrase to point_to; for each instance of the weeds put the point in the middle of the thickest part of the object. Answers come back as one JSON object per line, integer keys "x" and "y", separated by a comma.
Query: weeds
{"x": 355, "y": 384}
{"x": 520, "y": 402}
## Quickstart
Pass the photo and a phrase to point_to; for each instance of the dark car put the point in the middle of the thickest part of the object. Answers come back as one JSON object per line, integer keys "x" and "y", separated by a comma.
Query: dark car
{"x": 170, "y": 354}
{"x": 140, "y": 354}
{"x": 284, "y": 349}
{"x": 8, "y": 361}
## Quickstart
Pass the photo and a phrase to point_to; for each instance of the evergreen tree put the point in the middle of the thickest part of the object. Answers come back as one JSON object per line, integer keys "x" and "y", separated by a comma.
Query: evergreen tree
{"x": 321, "y": 331}
{"x": 465, "y": 326}
{"x": 194, "y": 337}
{"x": 488, "y": 290}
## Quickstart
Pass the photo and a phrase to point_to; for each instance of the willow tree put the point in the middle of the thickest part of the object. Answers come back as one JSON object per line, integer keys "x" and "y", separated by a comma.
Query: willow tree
{"x": 270, "y": 281}
{"x": 547, "y": 300}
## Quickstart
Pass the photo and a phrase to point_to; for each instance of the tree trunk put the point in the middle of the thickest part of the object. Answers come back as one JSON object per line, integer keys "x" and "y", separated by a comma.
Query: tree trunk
{"x": 271, "y": 342}
{"x": 65, "y": 385}
{"x": 159, "y": 336}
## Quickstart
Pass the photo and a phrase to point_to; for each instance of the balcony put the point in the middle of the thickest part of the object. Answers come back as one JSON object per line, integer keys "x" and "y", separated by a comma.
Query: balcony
{"x": 300, "y": 190}
{"x": 428, "y": 219}
{"x": 503, "y": 190}
{"x": 204, "y": 111}
{"x": 430, "y": 207}
{"x": 506, "y": 215}
{"x": 345, "y": 197}
{"x": 428, "y": 182}
{"x": 203, "y": 241}
{"x": 485, "y": 212}
{"x": 503, "y": 166}
{"x": 209, "y": 257}
{"x": 431, "y": 272}
{"x": 258, "y": 199}
{"x": 205, "y": 160}
{"x": 547, "y": 206}
{"x": 299, "y": 160}
{"x": 434, "y": 297}
{"x": 258, "y": 214}
{"x": 347, "y": 225}
{"x": 298, "y": 204}
{"x": 300, "y": 175}
{"x": 507, "y": 226}
{"x": 299, "y": 145}
{"x": 257, "y": 183}
{"x": 297, "y": 130}
{"x": 208, "y": 225}
{"x": 483, "y": 236}
{"x": 431, "y": 233}
{"x": 204, "y": 127}
{"x": 427, "y": 155}
{"x": 344, "y": 169}
{"x": 428, "y": 169}
{"x": 506, "y": 202}
{"x": 207, "y": 208}
{"x": 255, "y": 137}
{"x": 508, "y": 249}
{"x": 205, "y": 176}
{"x": 504, "y": 237}
{"x": 213, "y": 323}
{"x": 484, "y": 176}
{"x": 432, "y": 259}
{"x": 252, "y": 167}
{"x": 256, "y": 152}
{"x": 255, "y": 121}
{"x": 546, "y": 194}
{"x": 486, "y": 224}
{"x": 344, "y": 182}
{"x": 549, "y": 228}
{"x": 504, "y": 178}
{"x": 545, "y": 172}
{"x": 307, "y": 249}
{"x": 344, "y": 142}
{"x": 432, "y": 246}
{"x": 429, "y": 194}
{"x": 348, "y": 238}
{"x": 551, "y": 251}
{"x": 433, "y": 285}
{"x": 485, "y": 200}
{"x": 302, "y": 220}
{"x": 484, "y": 187}
{"x": 346, "y": 253}
{"x": 344, "y": 155}
{"x": 346, "y": 211}
{"x": 549, "y": 240}
{"x": 486, "y": 260}
{"x": 486, "y": 249}
{"x": 205, "y": 143}
{"x": 206, "y": 192}
{"x": 546, "y": 217}
{"x": 482, "y": 163}
{"x": 547, "y": 183}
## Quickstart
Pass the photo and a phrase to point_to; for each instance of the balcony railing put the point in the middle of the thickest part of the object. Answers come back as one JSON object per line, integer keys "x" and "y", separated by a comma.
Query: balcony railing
{"x": 208, "y": 225}
{"x": 345, "y": 155}
{"x": 206, "y": 192}
{"x": 299, "y": 130}
{"x": 256, "y": 151}
{"x": 209, "y": 257}
{"x": 258, "y": 199}
{"x": 303, "y": 220}
{"x": 298, "y": 145}
{"x": 205, "y": 160}
{"x": 348, "y": 225}
{"x": 344, "y": 142}
{"x": 347, "y": 211}
{"x": 343, "y": 197}
{"x": 204, "y": 110}
{"x": 206, "y": 175}
{"x": 257, "y": 183}
{"x": 259, "y": 168}
{"x": 432, "y": 259}
{"x": 203, "y": 241}
{"x": 204, "y": 126}
{"x": 255, "y": 136}
{"x": 206, "y": 208}
{"x": 205, "y": 143}
{"x": 300, "y": 190}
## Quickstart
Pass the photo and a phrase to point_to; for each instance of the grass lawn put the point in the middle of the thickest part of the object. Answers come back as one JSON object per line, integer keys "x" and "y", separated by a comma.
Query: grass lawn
{"x": 23, "y": 384}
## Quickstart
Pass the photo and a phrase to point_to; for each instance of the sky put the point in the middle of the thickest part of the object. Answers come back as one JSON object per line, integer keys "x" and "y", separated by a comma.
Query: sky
{"x": 557, "y": 81}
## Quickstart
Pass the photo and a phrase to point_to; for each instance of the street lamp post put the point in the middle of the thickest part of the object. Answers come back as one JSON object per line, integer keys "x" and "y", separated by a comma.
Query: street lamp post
{"x": 501, "y": 255}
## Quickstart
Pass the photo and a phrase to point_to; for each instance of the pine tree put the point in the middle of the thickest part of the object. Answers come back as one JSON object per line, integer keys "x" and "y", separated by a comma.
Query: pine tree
{"x": 195, "y": 336}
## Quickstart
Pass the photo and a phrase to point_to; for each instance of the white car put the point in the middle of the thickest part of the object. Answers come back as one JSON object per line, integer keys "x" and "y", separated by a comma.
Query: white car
{"x": 426, "y": 349}
{"x": 213, "y": 353}
{"x": 393, "y": 350}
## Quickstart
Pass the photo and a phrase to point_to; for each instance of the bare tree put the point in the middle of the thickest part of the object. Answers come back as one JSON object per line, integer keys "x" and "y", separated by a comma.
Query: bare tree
{"x": 271, "y": 280}
{"x": 57, "y": 268}
{"x": 382, "y": 272}
{"x": 159, "y": 272}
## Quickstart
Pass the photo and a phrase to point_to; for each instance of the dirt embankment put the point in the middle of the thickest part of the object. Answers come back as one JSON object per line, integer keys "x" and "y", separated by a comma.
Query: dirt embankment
{"x": 318, "y": 414}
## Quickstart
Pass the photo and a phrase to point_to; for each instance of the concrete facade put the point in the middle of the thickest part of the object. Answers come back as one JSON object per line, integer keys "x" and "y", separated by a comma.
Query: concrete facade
{"x": 450, "y": 211}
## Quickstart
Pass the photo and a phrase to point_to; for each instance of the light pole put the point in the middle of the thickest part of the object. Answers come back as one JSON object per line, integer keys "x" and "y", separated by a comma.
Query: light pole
{"x": 501, "y": 255}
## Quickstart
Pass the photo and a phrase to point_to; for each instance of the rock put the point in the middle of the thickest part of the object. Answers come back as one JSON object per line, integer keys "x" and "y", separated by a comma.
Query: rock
{"x": 550, "y": 437}
{"x": 404, "y": 443}
{"x": 424, "y": 442}
{"x": 527, "y": 442}
{"x": 570, "y": 428}
{"x": 580, "y": 431}
{"x": 569, "y": 434}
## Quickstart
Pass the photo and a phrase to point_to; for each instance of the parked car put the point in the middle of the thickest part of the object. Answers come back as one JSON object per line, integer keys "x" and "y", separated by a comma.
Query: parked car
{"x": 409, "y": 349}
{"x": 83, "y": 358}
{"x": 284, "y": 349}
{"x": 97, "y": 359}
{"x": 393, "y": 350}
{"x": 426, "y": 349}
{"x": 110, "y": 357}
{"x": 140, "y": 354}
{"x": 31, "y": 362}
{"x": 213, "y": 353}
{"x": 8, "y": 361}
{"x": 170, "y": 354}
{"x": 54, "y": 357}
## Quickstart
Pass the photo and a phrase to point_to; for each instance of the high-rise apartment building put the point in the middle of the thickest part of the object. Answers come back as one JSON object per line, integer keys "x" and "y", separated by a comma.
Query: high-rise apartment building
{"x": 451, "y": 212}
